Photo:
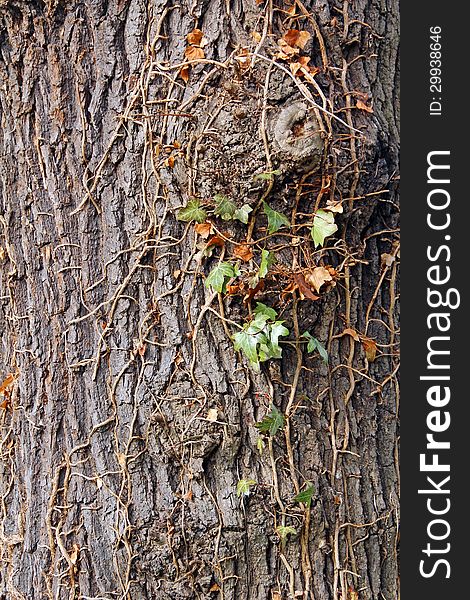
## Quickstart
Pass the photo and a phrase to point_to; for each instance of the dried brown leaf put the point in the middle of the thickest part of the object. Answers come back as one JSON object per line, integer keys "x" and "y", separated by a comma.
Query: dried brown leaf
{"x": 370, "y": 347}
{"x": 243, "y": 58}
{"x": 334, "y": 207}
{"x": 317, "y": 277}
{"x": 362, "y": 106}
{"x": 203, "y": 229}
{"x": 244, "y": 252}
{"x": 234, "y": 289}
{"x": 184, "y": 73}
{"x": 194, "y": 53}
{"x": 216, "y": 240}
{"x": 7, "y": 382}
{"x": 251, "y": 293}
{"x": 74, "y": 554}
{"x": 287, "y": 49}
{"x": 304, "y": 289}
{"x": 194, "y": 37}
{"x": 387, "y": 259}
{"x": 353, "y": 333}
{"x": 294, "y": 37}
{"x": 292, "y": 10}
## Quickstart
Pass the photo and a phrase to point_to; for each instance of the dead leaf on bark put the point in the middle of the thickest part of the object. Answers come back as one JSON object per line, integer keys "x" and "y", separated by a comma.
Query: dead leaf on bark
{"x": 184, "y": 73}
{"x": 353, "y": 333}
{"x": 294, "y": 37}
{"x": 8, "y": 382}
{"x": 203, "y": 229}
{"x": 304, "y": 289}
{"x": 362, "y": 106}
{"x": 194, "y": 53}
{"x": 212, "y": 414}
{"x": 301, "y": 65}
{"x": 317, "y": 277}
{"x": 286, "y": 51}
{"x": 194, "y": 37}
{"x": 370, "y": 347}
{"x": 244, "y": 252}
{"x": 243, "y": 58}
{"x": 234, "y": 289}
{"x": 216, "y": 240}
{"x": 74, "y": 554}
{"x": 387, "y": 259}
{"x": 334, "y": 207}
{"x": 251, "y": 292}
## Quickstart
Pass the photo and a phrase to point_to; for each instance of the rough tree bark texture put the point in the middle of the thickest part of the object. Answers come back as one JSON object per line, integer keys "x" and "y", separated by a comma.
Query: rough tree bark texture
{"x": 113, "y": 481}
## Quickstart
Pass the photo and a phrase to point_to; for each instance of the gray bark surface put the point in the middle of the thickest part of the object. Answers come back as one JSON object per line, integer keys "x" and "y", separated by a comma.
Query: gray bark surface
{"x": 113, "y": 481}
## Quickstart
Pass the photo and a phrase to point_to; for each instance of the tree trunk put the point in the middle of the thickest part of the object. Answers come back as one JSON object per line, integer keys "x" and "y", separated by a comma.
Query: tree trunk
{"x": 131, "y": 465}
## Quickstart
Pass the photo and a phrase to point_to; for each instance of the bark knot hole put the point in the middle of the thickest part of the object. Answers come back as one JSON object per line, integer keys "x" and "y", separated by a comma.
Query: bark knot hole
{"x": 297, "y": 134}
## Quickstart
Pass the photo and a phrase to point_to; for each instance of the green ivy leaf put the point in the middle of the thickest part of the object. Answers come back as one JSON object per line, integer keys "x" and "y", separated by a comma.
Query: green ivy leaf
{"x": 314, "y": 344}
{"x": 275, "y": 219}
{"x": 260, "y": 445}
{"x": 253, "y": 281}
{"x": 224, "y": 207}
{"x": 262, "y": 309}
{"x": 192, "y": 212}
{"x": 283, "y": 532}
{"x": 323, "y": 226}
{"x": 247, "y": 343}
{"x": 267, "y": 260}
{"x": 272, "y": 422}
{"x": 259, "y": 338}
{"x": 305, "y": 496}
{"x": 219, "y": 274}
{"x": 243, "y": 487}
{"x": 277, "y": 330}
{"x": 267, "y": 175}
{"x": 241, "y": 214}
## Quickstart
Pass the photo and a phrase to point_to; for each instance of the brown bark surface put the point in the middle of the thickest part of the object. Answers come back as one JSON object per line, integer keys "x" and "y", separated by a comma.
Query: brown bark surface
{"x": 115, "y": 479}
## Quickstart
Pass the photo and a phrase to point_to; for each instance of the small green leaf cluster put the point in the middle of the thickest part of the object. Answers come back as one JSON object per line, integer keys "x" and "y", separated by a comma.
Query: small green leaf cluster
{"x": 259, "y": 339}
{"x": 323, "y": 226}
{"x": 272, "y": 422}
{"x": 305, "y": 496}
{"x": 314, "y": 344}
{"x": 225, "y": 208}
{"x": 275, "y": 219}
{"x": 283, "y": 531}
{"x": 192, "y": 212}
{"x": 243, "y": 487}
{"x": 221, "y": 275}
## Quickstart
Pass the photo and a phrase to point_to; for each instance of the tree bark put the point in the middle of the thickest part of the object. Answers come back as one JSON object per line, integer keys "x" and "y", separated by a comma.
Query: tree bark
{"x": 129, "y": 418}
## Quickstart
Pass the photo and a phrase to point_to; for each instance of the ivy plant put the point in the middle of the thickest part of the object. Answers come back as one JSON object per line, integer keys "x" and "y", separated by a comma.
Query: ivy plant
{"x": 272, "y": 422}
{"x": 314, "y": 344}
{"x": 259, "y": 339}
{"x": 220, "y": 276}
{"x": 243, "y": 487}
